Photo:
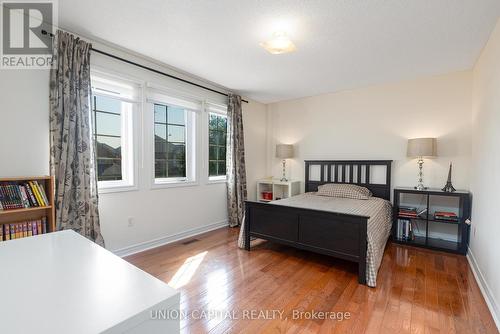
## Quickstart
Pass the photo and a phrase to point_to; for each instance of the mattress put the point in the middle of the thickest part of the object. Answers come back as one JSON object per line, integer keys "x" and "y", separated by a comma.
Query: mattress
{"x": 379, "y": 223}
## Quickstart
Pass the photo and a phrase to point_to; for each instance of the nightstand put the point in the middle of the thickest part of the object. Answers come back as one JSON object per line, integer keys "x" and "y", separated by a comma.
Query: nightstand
{"x": 432, "y": 219}
{"x": 273, "y": 189}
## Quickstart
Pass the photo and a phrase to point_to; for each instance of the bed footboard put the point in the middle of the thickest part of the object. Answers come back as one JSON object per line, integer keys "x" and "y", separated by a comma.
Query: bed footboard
{"x": 338, "y": 235}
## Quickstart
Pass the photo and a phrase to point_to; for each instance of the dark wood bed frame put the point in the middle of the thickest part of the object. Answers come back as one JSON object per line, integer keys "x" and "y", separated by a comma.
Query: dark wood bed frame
{"x": 339, "y": 235}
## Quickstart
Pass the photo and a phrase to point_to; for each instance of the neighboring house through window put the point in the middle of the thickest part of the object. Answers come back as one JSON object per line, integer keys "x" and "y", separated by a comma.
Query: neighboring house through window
{"x": 113, "y": 102}
{"x": 217, "y": 132}
{"x": 174, "y": 137}
{"x": 170, "y": 141}
{"x": 107, "y": 119}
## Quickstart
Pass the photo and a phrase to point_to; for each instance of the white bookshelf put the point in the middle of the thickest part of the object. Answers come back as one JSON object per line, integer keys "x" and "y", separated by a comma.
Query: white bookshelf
{"x": 278, "y": 189}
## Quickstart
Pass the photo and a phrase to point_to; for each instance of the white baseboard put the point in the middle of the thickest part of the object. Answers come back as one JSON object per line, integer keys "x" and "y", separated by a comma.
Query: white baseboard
{"x": 485, "y": 289}
{"x": 140, "y": 247}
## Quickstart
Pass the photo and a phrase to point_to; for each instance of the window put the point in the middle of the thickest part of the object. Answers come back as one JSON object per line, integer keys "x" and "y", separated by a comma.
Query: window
{"x": 113, "y": 102}
{"x": 170, "y": 141}
{"x": 217, "y": 131}
{"x": 107, "y": 119}
{"x": 174, "y": 122}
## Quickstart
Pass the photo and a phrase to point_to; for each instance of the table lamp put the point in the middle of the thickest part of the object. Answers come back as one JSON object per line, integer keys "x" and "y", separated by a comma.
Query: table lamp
{"x": 421, "y": 148}
{"x": 284, "y": 151}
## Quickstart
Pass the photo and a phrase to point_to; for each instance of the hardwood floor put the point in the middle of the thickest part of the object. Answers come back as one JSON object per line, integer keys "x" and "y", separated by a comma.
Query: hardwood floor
{"x": 419, "y": 291}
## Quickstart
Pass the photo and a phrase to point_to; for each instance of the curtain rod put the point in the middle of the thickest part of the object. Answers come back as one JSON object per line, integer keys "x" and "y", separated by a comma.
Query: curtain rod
{"x": 44, "y": 32}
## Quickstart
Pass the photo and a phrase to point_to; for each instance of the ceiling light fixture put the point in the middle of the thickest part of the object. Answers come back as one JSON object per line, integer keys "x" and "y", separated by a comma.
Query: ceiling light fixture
{"x": 280, "y": 43}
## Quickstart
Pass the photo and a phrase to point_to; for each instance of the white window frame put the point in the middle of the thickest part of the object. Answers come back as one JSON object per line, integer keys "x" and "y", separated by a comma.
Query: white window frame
{"x": 212, "y": 108}
{"x": 169, "y": 98}
{"x": 129, "y": 121}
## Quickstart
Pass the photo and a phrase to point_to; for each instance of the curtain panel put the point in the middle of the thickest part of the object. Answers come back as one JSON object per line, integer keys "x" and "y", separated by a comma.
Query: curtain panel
{"x": 72, "y": 155}
{"x": 236, "y": 173}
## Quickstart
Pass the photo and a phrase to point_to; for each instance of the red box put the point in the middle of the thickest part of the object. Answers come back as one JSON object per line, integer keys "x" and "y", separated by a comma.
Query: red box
{"x": 267, "y": 195}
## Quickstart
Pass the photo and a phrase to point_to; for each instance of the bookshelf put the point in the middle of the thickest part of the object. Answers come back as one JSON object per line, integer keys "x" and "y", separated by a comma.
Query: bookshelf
{"x": 427, "y": 231}
{"x": 11, "y": 216}
{"x": 276, "y": 189}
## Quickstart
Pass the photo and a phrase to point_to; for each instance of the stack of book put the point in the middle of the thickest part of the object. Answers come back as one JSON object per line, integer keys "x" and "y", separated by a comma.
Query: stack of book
{"x": 410, "y": 212}
{"x": 23, "y": 229}
{"x": 442, "y": 215}
{"x": 18, "y": 195}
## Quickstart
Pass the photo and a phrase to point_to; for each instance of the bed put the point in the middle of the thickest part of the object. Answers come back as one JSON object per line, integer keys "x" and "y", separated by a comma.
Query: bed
{"x": 350, "y": 229}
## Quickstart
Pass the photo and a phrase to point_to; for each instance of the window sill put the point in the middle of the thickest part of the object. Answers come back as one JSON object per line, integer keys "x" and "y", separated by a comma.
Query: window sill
{"x": 173, "y": 184}
{"x": 217, "y": 180}
{"x": 115, "y": 189}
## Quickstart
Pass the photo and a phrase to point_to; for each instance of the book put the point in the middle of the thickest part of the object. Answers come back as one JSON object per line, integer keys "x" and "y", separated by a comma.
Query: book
{"x": 31, "y": 196}
{"x": 44, "y": 225}
{"x": 16, "y": 200}
{"x": 24, "y": 227}
{"x": 10, "y": 195}
{"x": 37, "y": 194}
{"x": 445, "y": 214}
{"x": 17, "y": 196}
{"x": 12, "y": 231}
{"x": 410, "y": 215}
{"x": 3, "y": 198}
{"x": 34, "y": 228}
{"x": 446, "y": 219}
{"x": 19, "y": 231}
{"x": 441, "y": 215}
{"x": 6, "y": 233}
{"x": 24, "y": 195}
{"x": 408, "y": 212}
{"x": 43, "y": 193}
{"x": 404, "y": 210}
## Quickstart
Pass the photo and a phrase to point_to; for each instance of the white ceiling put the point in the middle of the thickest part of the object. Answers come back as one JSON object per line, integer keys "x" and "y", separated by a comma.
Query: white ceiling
{"x": 341, "y": 44}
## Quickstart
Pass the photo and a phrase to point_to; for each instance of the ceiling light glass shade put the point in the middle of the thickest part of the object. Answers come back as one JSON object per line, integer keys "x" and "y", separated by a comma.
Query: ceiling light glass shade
{"x": 280, "y": 43}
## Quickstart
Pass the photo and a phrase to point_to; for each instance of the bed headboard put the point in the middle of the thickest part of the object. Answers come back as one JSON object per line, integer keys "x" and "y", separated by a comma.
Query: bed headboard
{"x": 349, "y": 171}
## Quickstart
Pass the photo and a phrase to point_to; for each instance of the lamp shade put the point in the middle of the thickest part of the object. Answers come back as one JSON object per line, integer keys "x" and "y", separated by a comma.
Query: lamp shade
{"x": 422, "y": 147}
{"x": 284, "y": 151}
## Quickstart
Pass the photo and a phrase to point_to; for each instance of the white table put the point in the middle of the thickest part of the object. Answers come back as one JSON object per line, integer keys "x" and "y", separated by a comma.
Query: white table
{"x": 63, "y": 283}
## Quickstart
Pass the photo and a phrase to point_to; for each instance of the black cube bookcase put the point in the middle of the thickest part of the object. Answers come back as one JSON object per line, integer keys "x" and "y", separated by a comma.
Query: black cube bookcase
{"x": 437, "y": 234}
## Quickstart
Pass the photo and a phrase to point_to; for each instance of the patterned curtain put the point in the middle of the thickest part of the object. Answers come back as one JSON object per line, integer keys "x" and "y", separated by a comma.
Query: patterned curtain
{"x": 72, "y": 157}
{"x": 236, "y": 174}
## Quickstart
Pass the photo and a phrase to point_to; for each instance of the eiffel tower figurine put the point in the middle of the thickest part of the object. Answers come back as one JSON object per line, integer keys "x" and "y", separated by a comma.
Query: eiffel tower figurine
{"x": 449, "y": 187}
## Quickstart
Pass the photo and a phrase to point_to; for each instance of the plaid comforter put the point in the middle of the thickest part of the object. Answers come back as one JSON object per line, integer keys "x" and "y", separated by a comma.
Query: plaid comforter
{"x": 379, "y": 223}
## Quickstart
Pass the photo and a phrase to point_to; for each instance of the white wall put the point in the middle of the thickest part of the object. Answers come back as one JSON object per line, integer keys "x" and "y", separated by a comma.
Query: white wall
{"x": 156, "y": 214}
{"x": 24, "y": 122}
{"x": 375, "y": 123}
{"x": 484, "y": 245}
{"x": 255, "y": 129}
